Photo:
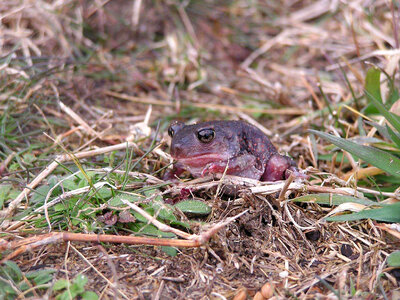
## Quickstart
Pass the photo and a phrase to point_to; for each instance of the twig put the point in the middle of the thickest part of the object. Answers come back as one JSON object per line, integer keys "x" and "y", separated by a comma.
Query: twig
{"x": 28, "y": 244}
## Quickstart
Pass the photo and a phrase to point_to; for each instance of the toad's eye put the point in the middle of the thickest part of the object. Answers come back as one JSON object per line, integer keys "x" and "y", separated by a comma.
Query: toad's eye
{"x": 171, "y": 131}
{"x": 206, "y": 135}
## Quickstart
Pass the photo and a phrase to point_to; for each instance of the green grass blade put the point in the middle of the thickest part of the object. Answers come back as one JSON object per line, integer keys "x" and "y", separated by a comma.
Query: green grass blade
{"x": 395, "y": 137}
{"x": 381, "y": 129}
{"x": 388, "y": 213}
{"x": 333, "y": 199}
{"x": 373, "y": 93}
{"x": 376, "y": 157}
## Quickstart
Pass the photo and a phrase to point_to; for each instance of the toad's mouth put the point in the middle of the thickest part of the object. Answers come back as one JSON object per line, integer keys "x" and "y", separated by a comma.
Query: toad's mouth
{"x": 201, "y": 160}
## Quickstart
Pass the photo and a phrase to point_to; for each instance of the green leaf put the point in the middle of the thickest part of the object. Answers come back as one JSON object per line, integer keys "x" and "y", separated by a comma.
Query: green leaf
{"x": 82, "y": 183}
{"x": 171, "y": 251}
{"x": 182, "y": 224}
{"x": 14, "y": 167}
{"x": 76, "y": 290}
{"x": 70, "y": 184}
{"x": 89, "y": 295}
{"x": 139, "y": 217}
{"x": 43, "y": 278}
{"x": 61, "y": 284}
{"x": 117, "y": 202}
{"x": 23, "y": 286}
{"x": 388, "y": 213}
{"x": 60, "y": 207}
{"x": 376, "y": 157}
{"x": 28, "y": 158}
{"x": 13, "y": 194}
{"x": 11, "y": 271}
{"x": 6, "y": 291}
{"x": 76, "y": 221}
{"x": 373, "y": 93}
{"x": 393, "y": 259}
{"x": 193, "y": 207}
{"x": 151, "y": 230}
{"x": 53, "y": 180}
{"x": 40, "y": 193}
{"x": 150, "y": 192}
{"x": 40, "y": 276}
{"x": 80, "y": 280}
{"x": 333, "y": 199}
{"x": 104, "y": 192}
{"x": 163, "y": 211}
{"x": 67, "y": 295}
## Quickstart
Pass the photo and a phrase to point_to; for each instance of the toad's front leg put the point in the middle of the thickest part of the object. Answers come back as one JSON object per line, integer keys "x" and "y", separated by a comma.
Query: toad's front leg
{"x": 280, "y": 167}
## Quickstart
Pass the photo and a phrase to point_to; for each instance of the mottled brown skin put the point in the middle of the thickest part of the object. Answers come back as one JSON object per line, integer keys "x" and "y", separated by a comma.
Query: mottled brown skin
{"x": 207, "y": 148}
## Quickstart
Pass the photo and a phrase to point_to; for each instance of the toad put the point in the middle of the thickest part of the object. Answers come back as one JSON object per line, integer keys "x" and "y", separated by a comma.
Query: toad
{"x": 240, "y": 148}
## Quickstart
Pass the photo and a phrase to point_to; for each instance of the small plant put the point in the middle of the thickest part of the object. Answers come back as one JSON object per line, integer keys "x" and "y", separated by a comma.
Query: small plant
{"x": 13, "y": 282}
{"x": 74, "y": 290}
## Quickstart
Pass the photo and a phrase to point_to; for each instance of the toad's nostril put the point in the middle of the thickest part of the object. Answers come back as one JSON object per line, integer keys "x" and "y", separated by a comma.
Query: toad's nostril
{"x": 176, "y": 149}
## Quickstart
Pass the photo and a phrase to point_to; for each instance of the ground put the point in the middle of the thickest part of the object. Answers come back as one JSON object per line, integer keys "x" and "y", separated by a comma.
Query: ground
{"x": 90, "y": 75}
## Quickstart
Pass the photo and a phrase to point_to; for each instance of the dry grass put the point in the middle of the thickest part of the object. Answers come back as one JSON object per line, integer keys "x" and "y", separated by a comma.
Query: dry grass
{"x": 79, "y": 77}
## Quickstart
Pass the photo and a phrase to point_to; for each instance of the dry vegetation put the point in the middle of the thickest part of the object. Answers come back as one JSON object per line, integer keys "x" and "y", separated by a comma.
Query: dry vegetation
{"x": 91, "y": 75}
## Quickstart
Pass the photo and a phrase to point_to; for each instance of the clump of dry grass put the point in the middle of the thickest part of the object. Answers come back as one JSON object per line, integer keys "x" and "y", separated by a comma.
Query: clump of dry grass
{"x": 85, "y": 72}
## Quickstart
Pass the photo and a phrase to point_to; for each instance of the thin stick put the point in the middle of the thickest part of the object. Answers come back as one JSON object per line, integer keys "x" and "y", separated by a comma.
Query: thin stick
{"x": 30, "y": 243}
